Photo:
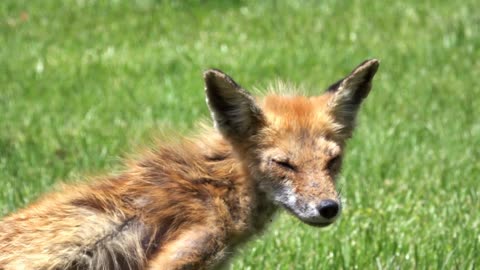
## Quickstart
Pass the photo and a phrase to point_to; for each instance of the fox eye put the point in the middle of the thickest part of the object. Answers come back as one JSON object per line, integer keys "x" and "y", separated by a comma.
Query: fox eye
{"x": 333, "y": 163}
{"x": 285, "y": 164}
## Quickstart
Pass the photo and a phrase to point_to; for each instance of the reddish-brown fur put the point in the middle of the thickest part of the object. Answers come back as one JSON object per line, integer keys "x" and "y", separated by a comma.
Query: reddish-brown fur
{"x": 186, "y": 205}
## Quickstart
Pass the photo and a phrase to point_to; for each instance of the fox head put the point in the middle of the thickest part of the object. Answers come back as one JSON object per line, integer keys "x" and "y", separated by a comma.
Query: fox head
{"x": 292, "y": 145}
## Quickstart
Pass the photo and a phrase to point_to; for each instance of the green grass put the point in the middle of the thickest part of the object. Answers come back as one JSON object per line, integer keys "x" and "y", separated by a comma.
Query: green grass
{"x": 83, "y": 83}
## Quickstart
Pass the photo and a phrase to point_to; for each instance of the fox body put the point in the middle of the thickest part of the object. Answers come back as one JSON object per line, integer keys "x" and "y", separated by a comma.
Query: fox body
{"x": 186, "y": 205}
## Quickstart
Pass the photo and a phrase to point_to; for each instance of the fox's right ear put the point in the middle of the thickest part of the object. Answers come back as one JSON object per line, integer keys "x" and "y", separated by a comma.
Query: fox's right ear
{"x": 234, "y": 111}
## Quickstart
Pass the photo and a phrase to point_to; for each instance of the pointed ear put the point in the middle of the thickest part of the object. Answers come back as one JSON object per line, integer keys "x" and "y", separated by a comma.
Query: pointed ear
{"x": 234, "y": 111}
{"x": 348, "y": 93}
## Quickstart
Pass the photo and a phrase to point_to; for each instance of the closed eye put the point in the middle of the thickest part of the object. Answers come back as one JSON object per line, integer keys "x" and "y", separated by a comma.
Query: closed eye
{"x": 333, "y": 163}
{"x": 285, "y": 164}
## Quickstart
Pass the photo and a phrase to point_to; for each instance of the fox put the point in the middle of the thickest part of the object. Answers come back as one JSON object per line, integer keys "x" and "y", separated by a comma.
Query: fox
{"x": 189, "y": 203}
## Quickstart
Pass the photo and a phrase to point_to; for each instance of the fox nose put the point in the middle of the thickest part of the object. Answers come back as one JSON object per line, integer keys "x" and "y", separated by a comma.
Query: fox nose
{"x": 328, "y": 209}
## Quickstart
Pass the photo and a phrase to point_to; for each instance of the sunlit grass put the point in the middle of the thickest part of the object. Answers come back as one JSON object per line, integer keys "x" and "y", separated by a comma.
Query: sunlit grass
{"x": 83, "y": 83}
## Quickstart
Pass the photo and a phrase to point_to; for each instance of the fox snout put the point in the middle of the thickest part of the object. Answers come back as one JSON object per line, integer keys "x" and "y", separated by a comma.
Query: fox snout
{"x": 316, "y": 210}
{"x": 319, "y": 214}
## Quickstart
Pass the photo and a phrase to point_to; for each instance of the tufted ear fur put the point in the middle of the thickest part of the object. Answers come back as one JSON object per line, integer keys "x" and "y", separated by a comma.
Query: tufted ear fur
{"x": 348, "y": 93}
{"x": 234, "y": 111}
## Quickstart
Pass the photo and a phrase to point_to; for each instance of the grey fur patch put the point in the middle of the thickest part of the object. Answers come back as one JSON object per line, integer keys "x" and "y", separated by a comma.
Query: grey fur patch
{"x": 119, "y": 249}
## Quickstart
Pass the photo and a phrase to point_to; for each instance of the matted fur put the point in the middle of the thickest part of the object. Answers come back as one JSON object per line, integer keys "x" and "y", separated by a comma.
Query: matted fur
{"x": 188, "y": 204}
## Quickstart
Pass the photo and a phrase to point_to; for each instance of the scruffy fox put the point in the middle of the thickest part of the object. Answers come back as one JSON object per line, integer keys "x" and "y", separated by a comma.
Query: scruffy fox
{"x": 187, "y": 205}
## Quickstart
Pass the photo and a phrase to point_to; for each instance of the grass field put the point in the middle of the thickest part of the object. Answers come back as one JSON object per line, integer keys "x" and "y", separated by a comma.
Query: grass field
{"x": 84, "y": 83}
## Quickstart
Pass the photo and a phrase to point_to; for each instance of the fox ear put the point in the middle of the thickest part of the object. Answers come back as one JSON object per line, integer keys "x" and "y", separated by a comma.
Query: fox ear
{"x": 234, "y": 111}
{"x": 348, "y": 93}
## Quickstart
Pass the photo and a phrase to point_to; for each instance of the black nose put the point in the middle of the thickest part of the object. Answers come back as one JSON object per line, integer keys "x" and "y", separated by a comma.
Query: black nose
{"x": 328, "y": 208}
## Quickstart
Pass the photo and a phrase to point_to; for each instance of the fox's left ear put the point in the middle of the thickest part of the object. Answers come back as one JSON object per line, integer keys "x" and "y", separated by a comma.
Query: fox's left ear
{"x": 234, "y": 110}
{"x": 348, "y": 94}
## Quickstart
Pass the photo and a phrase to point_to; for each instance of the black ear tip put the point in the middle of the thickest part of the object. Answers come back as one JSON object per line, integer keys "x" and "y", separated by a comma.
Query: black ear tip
{"x": 374, "y": 61}
{"x": 213, "y": 78}
{"x": 371, "y": 64}
{"x": 366, "y": 69}
{"x": 212, "y": 73}
{"x": 217, "y": 78}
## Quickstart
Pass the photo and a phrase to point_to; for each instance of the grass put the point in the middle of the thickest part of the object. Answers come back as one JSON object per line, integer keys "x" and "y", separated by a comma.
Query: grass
{"x": 85, "y": 82}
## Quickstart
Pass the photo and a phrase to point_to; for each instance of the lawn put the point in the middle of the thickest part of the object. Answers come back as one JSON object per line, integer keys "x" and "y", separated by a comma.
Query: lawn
{"x": 84, "y": 83}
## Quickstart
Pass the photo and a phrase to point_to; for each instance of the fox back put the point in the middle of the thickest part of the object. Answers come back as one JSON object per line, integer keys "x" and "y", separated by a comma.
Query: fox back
{"x": 187, "y": 204}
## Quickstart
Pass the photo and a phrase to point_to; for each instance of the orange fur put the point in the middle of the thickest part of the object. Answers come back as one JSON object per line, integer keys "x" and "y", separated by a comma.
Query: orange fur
{"x": 186, "y": 205}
